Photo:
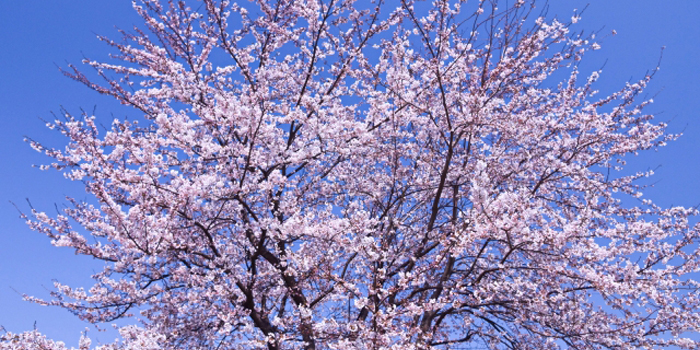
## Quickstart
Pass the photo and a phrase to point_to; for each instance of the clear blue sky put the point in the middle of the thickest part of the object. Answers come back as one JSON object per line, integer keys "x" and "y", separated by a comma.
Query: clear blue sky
{"x": 38, "y": 35}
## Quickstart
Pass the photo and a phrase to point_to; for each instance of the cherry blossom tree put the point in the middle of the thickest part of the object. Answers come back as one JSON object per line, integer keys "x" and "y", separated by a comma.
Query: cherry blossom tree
{"x": 341, "y": 174}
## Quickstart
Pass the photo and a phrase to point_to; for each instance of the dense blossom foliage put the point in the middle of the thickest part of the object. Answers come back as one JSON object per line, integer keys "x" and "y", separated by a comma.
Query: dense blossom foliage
{"x": 341, "y": 174}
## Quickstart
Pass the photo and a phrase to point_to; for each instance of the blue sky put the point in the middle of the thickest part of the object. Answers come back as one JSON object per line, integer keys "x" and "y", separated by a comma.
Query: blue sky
{"x": 39, "y": 35}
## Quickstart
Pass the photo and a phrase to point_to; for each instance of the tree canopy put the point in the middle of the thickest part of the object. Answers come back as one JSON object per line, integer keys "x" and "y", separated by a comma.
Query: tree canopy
{"x": 339, "y": 174}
